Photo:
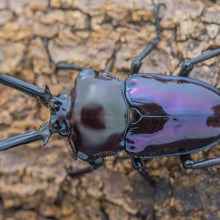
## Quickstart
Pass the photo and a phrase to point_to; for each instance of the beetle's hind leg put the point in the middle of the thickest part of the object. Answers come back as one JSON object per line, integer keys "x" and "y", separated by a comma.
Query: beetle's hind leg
{"x": 188, "y": 162}
{"x": 94, "y": 164}
{"x": 136, "y": 64}
{"x": 188, "y": 65}
{"x": 137, "y": 164}
{"x": 60, "y": 65}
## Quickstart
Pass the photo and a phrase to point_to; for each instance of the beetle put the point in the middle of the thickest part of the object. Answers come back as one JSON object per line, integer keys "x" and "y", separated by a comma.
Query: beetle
{"x": 147, "y": 115}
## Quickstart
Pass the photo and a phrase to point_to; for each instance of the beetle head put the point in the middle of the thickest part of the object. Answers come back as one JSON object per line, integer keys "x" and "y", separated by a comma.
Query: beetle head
{"x": 60, "y": 108}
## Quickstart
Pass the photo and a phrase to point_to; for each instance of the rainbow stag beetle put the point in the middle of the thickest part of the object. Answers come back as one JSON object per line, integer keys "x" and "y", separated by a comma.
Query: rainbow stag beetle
{"x": 148, "y": 115}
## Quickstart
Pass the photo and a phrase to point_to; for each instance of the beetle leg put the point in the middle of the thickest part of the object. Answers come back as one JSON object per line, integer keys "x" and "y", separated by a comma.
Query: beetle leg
{"x": 137, "y": 164}
{"x": 94, "y": 164}
{"x": 188, "y": 162}
{"x": 60, "y": 65}
{"x": 136, "y": 64}
{"x": 188, "y": 65}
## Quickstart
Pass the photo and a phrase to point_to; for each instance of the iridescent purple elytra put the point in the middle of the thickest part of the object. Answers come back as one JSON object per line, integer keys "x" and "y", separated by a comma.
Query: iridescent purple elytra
{"x": 148, "y": 115}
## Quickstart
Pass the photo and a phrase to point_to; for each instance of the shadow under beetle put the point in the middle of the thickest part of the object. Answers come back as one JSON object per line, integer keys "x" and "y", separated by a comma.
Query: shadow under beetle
{"x": 148, "y": 115}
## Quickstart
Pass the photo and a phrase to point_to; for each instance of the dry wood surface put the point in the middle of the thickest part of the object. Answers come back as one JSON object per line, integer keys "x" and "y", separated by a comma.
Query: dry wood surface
{"x": 105, "y": 35}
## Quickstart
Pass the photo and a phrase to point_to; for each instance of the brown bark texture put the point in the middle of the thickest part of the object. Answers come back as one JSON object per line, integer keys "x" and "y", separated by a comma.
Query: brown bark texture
{"x": 102, "y": 35}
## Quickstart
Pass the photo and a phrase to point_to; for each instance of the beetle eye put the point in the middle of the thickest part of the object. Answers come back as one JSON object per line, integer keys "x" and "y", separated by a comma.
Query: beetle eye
{"x": 134, "y": 116}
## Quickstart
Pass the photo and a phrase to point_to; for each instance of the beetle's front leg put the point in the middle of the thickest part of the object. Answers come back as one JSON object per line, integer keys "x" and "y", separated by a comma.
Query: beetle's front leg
{"x": 189, "y": 163}
{"x": 94, "y": 164}
{"x": 60, "y": 65}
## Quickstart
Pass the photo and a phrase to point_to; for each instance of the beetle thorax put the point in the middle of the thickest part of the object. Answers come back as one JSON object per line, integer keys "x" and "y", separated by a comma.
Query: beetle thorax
{"x": 98, "y": 114}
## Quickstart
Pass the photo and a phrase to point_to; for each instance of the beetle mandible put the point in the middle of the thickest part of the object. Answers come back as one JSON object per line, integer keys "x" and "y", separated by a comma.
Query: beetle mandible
{"x": 148, "y": 115}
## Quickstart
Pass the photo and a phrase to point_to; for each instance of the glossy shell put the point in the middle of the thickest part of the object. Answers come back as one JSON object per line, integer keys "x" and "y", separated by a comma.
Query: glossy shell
{"x": 174, "y": 115}
{"x": 99, "y": 116}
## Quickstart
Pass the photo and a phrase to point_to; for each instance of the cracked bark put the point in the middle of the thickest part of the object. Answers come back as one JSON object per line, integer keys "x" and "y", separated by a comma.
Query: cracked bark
{"x": 106, "y": 36}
